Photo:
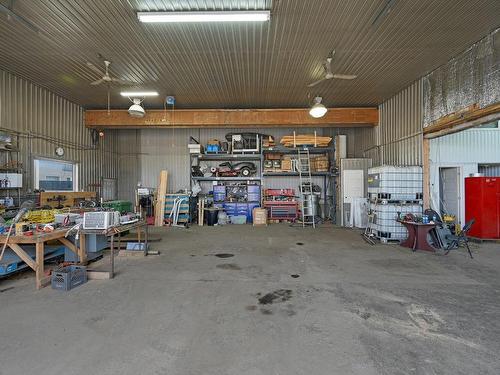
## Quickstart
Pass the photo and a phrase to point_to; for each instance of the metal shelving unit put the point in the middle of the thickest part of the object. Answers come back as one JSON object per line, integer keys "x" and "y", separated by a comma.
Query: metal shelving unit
{"x": 226, "y": 178}
{"x": 313, "y": 151}
{"x": 261, "y": 175}
{"x": 9, "y": 159}
{"x": 196, "y": 158}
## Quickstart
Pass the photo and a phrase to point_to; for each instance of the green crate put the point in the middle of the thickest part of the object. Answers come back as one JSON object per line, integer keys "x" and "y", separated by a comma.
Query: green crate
{"x": 120, "y": 206}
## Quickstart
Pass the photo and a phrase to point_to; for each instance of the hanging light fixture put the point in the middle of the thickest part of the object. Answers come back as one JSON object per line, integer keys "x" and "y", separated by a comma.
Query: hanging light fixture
{"x": 318, "y": 110}
{"x": 136, "y": 109}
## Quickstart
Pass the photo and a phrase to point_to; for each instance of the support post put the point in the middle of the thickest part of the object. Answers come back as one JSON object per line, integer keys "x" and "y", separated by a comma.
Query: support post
{"x": 426, "y": 162}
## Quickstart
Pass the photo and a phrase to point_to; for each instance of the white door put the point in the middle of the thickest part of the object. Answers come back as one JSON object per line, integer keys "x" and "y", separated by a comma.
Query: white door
{"x": 449, "y": 191}
{"x": 353, "y": 186}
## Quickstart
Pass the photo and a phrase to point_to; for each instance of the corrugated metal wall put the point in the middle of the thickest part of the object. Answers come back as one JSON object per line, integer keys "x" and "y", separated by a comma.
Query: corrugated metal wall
{"x": 473, "y": 145}
{"x": 43, "y": 121}
{"x": 399, "y": 133}
{"x": 397, "y": 140}
{"x": 145, "y": 152}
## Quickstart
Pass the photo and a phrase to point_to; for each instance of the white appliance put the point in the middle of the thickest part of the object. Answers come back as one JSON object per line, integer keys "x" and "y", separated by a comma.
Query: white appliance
{"x": 11, "y": 180}
{"x": 101, "y": 219}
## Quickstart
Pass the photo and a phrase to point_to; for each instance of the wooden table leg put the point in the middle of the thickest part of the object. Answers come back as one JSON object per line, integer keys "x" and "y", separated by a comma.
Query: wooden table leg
{"x": 83, "y": 249}
{"x": 112, "y": 257}
{"x": 40, "y": 258}
{"x": 146, "y": 240}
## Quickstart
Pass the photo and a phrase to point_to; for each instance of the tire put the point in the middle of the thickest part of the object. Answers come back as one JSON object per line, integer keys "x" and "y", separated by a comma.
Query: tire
{"x": 245, "y": 172}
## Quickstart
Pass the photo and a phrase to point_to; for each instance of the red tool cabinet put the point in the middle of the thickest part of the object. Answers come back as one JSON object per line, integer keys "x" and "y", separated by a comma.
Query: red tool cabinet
{"x": 482, "y": 203}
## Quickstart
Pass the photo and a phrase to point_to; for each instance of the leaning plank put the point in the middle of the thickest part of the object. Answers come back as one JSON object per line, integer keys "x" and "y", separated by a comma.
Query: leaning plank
{"x": 160, "y": 199}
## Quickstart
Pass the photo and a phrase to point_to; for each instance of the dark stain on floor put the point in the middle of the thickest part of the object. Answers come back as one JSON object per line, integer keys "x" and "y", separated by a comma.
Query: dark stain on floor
{"x": 295, "y": 276}
{"x": 6, "y": 289}
{"x": 224, "y": 255}
{"x": 229, "y": 266}
{"x": 300, "y": 243}
{"x": 280, "y": 295}
{"x": 266, "y": 312}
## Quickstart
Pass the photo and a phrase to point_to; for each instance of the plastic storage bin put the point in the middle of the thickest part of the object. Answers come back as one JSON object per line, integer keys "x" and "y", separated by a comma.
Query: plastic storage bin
{"x": 238, "y": 219}
{"x": 251, "y": 206}
{"x": 69, "y": 277}
{"x": 120, "y": 206}
{"x": 230, "y": 208}
{"x": 253, "y": 193}
{"x": 219, "y": 193}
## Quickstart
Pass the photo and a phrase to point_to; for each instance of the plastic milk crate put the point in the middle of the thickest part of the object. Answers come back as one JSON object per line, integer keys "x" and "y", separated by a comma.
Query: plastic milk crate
{"x": 69, "y": 277}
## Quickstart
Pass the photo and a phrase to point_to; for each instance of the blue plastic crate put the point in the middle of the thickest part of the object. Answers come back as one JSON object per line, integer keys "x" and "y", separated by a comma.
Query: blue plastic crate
{"x": 253, "y": 197}
{"x": 230, "y": 208}
{"x": 253, "y": 189}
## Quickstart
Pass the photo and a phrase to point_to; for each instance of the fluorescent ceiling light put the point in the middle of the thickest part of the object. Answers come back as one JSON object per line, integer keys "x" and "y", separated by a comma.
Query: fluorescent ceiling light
{"x": 318, "y": 110}
{"x": 134, "y": 94}
{"x": 227, "y": 16}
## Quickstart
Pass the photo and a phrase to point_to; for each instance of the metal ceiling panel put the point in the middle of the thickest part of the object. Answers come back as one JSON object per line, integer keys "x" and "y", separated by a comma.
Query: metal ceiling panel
{"x": 266, "y": 65}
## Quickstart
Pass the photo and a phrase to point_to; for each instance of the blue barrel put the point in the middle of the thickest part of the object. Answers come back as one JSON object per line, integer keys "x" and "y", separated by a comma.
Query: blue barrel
{"x": 251, "y": 206}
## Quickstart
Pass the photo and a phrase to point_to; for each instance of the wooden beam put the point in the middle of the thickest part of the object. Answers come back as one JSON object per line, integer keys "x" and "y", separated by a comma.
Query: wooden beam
{"x": 468, "y": 114}
{"x": 221, "y": 118}
{"x": 426, "y": 169}
{"x": 23, "y": 255}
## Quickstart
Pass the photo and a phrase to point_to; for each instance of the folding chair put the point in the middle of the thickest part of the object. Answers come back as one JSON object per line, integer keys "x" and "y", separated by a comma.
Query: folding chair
{"x": 460, "y": 238}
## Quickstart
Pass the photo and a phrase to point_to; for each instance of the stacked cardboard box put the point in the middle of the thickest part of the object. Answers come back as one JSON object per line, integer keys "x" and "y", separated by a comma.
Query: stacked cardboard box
{"x": 286, "y": 164}
{"x": 259, "y": 216}
{"x": 320, "y": 163}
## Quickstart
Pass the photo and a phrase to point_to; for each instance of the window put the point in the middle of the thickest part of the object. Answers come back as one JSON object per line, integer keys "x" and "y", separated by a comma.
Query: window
{"x": 490, "y": 125}
{"x": 55, "y": 175}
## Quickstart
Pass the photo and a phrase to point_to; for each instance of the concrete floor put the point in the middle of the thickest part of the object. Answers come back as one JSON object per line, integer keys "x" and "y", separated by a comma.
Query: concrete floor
{"x": 354, "y": 309}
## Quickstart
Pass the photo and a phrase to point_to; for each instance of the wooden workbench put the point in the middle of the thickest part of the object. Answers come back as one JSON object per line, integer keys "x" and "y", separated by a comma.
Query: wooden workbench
{"x": 39, "y": 240}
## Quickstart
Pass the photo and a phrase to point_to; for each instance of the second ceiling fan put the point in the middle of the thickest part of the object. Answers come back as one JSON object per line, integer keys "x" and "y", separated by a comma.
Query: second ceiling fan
{"x": 105, "y": 76}
{"x": 328, "y": 72}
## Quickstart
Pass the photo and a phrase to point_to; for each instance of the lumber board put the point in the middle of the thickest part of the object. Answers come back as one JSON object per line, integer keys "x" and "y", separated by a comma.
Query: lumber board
{"x": 468, "y": 114}
{"x": 160, "y": 199}
{"x": 305, "y": 139}
{"x": 98, "y": 275}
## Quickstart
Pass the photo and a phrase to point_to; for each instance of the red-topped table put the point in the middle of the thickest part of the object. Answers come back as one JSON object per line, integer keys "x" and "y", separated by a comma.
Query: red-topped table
{"x": 417, "y": 235}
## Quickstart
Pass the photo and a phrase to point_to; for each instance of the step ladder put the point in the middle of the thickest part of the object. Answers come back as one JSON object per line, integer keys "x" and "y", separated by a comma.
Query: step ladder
{"x": 306, "y": 187}
{"x": 368, "y": 235}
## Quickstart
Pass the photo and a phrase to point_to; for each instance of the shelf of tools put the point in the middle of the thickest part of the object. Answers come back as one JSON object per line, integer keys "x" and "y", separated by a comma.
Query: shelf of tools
{"x": 271, "y": 162}
{"x": 233, "y": 179}
{"x": 11, "y": 172}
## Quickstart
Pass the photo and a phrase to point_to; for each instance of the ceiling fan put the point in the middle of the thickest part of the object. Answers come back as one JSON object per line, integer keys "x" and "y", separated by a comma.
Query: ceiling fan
{"x": 106, "y": 78}
{"x": 328, "y": 72}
